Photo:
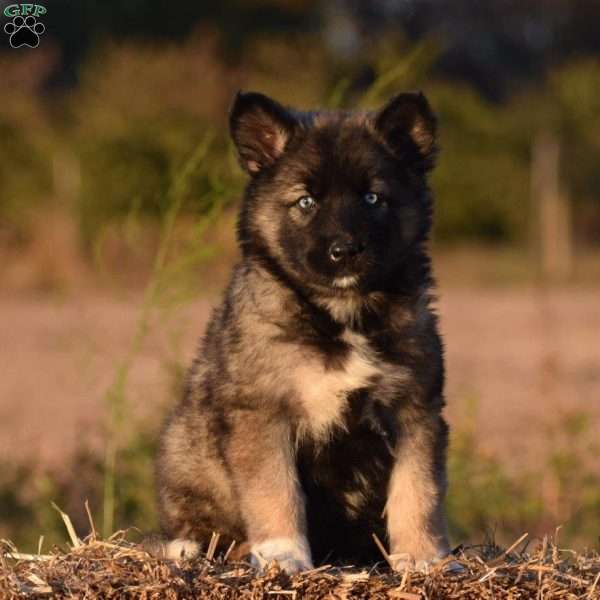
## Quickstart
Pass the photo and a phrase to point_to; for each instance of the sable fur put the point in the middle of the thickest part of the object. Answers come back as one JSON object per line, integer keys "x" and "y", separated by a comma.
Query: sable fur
{"x": 312, "y": 412}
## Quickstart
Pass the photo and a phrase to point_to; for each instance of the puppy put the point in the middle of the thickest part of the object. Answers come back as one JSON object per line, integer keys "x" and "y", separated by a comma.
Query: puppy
{"x": 312, "y": 416}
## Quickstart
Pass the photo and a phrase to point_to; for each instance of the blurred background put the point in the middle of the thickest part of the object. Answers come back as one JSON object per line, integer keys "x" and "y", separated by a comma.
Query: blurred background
{"x": 118, "y": 194}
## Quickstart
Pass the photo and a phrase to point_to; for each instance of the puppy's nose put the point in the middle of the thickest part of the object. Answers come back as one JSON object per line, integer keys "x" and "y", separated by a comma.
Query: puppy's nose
{"x": 344, "y": 249}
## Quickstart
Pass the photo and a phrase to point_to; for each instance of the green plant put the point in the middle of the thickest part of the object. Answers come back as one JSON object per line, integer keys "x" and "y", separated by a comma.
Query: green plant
{"x": 483, "y": 500}
{"x": 156, "y": 287}
{"x": 570, "y": 484}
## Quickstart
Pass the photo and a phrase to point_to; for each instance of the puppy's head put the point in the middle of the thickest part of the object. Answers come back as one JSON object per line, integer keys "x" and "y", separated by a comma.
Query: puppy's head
{"x": 336, "y": 200}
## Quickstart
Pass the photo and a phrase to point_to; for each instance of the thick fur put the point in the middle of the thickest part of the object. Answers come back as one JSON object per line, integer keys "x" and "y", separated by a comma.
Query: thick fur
{"x": 312, "y": 413}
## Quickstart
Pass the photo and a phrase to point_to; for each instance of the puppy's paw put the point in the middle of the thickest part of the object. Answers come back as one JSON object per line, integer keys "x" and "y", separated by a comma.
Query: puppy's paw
{"x": 292, "y": 555}
{"x": 405, "y": 562}
{"x": 180, "y": 549}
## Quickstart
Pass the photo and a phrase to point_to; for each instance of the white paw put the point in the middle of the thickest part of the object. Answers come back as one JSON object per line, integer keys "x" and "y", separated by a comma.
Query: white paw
{"x": 405, "y": 562}
{"x": 292, "y": 555}
{"x": 179, "y": 549}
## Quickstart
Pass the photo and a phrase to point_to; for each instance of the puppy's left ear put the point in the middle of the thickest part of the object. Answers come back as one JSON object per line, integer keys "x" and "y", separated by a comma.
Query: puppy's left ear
{"x": 260, "y": 128}
{"x": 408, "y": 128}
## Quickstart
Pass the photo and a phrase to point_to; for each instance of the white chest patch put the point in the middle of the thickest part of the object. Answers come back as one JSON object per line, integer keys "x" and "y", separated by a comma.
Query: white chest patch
{"x": 323, "y": 391}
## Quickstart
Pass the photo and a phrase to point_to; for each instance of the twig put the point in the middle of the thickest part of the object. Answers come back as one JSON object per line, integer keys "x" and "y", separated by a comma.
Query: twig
{"x": 229, "y": 550}
{"x": 515, "y": 544}
{"x": 70, "y": 529}
{"x": 383, "y": 550}
{"x": 212, "y": 546}
{"x": 23, "y": 556}
{"x": 91, "y": 520}
{"x": 591, "y": 592}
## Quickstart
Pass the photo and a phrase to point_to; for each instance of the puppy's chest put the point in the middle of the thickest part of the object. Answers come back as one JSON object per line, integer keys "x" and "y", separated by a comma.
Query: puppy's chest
{"x": 332, "y": 393}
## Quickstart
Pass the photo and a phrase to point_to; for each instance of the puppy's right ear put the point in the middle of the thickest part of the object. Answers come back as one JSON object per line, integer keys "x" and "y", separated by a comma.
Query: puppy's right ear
{"x": 260, "y": 128}
{"x": 408, "y": 127}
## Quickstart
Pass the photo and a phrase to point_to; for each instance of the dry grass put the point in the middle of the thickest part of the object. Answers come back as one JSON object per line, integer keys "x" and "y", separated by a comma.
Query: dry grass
{"x": 117, "y": 568}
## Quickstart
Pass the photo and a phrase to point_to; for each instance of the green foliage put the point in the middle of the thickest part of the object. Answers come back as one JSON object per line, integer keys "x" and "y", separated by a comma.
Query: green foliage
{"x": 572, "y": 483}
{"x": 121, "y": 176}
{"x": 483, "y": 499}
{"x": 564, "y": 491}
{"x": 482, "y": 180}
{"x": 26, "y": 494}
{"x": 135, "y": 489}
{"x": 126, "y": 176}
{"x": 127, "y": 151}
{"x": 154, "y": 295}
{"x": 25, "y": 500}
{"x": 24, "y": 177}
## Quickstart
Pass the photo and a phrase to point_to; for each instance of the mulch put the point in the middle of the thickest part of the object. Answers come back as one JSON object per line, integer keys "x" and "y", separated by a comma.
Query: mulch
{"x": 118, "y": 568}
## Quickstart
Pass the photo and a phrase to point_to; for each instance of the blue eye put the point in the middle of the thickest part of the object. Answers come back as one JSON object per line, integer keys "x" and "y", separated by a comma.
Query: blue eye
{"x": 371, "y": 198}
{"x": 306, "y": 202}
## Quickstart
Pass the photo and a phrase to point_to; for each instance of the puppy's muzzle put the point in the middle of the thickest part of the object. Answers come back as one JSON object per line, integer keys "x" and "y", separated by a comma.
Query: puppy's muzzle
{"x": 345, "y": 250}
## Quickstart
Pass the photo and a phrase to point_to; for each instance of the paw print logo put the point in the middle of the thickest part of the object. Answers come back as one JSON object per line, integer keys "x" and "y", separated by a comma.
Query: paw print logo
{"x": 24, "y": 31}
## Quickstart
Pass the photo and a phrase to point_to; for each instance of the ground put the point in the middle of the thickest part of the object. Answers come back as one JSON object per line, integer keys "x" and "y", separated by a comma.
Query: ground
{"x": 115, "y": 569}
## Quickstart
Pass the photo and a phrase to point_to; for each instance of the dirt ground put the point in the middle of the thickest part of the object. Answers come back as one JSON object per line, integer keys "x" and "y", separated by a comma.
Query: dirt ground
{"x": 520, "y": 356}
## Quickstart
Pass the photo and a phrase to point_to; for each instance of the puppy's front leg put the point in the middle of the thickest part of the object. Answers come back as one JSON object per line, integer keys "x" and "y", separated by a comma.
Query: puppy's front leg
{"x": 260, "y": 455}
{"x": 415, "y": 512}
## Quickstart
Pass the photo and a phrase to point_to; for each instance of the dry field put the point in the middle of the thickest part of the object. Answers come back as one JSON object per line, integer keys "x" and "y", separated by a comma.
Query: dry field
{"x": 116, "y": 569}
{"x": 520, "y": 355}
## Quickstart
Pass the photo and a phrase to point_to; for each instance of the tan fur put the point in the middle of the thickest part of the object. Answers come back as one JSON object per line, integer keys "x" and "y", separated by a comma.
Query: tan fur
{"x": 345, "y": 282}
{"x": 283, "y": 368}
{"x": 344, "y": 309}
{"x": 272, "y": 501}
{"x": 422, "y": 136}
{"x": 414, "y": 507}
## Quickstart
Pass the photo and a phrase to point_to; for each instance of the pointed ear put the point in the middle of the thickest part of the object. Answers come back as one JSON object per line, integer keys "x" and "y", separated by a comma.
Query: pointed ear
{"x": 260, "y": 128}
{"x": 408, "y": 128}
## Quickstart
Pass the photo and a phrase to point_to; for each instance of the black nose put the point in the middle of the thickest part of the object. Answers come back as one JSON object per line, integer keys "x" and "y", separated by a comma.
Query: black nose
{"x": 343, "y": 249}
